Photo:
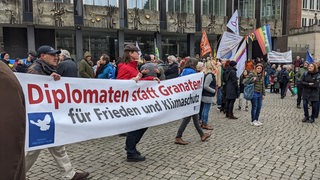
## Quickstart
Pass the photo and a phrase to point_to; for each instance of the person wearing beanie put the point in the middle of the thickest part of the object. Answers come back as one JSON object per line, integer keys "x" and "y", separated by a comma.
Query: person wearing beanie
{"x": 67, "y": 67}
{"x": 232, "y": 88}
{"x": 85, "y": 66}
{"x": 32, "y": 56}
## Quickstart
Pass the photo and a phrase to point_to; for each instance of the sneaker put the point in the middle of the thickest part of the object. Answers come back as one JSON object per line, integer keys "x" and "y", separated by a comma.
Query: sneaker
{"x": 298, "y": 106}
{"x": 259, "y": 122}
{"x": 255, "y": 123}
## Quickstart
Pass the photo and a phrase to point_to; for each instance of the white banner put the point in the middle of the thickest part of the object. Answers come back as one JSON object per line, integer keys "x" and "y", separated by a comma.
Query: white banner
{"x": 74, "y": 109}
{"x": 228, "y": 43}
{"x": 277, "y": 57}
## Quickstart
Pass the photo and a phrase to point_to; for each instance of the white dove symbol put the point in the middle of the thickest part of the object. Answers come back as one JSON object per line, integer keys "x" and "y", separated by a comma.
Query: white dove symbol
{"x": 43, "y": 124}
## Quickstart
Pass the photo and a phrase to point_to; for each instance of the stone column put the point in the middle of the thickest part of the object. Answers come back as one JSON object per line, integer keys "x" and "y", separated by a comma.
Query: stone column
{"x": 31, "y": 38}
{"x": 158, "y": 38}
{"x": 190, "y": 45}
{"x": 79, "y": 44}
{"x": 120, "y": 35}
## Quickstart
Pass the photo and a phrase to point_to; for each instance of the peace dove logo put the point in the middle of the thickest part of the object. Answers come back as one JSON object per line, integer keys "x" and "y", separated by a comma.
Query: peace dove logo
{"x": 41, "y": 128}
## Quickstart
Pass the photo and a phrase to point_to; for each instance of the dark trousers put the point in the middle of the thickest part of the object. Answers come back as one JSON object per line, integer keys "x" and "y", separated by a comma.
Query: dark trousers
{"x": 229, "y": 105}
{"x": 272, "y": 89}
{"x": 305, "y": 108}
{"x": 132, "y": 140}
{"x": 283, "y": 88}
{"x": 186, "y": 121}
{"x": 300, "y": 89}
{"x": 201, "y": 109}
{"x": 317, "y": 109}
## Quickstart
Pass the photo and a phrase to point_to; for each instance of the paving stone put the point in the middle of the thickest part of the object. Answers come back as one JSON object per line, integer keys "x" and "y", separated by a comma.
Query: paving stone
{"x": 283, "y": 148}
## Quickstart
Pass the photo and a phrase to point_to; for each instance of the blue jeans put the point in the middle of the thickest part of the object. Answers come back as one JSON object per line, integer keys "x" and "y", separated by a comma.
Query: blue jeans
{"x": 314, "y": 105}
{"x": 205, "y": 113}
{"x": 256, "y": 103}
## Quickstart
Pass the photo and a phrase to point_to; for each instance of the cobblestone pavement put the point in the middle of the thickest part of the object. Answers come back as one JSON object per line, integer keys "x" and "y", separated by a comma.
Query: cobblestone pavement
{"x": 283, "y": 148}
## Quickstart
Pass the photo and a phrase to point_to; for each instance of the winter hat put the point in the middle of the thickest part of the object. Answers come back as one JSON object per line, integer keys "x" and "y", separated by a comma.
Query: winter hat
{"x": 87, "y": 54}
{"x": 32, "y": 53}
{"x": 232, "y": 63}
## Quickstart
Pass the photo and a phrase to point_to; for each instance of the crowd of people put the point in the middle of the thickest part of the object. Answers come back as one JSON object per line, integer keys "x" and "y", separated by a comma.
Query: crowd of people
{"x": 220, "y": 80}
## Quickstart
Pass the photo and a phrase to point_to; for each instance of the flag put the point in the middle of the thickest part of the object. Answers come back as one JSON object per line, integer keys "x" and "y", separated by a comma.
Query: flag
{"x": 263, "y": 36}
{"x": 251, "y": 36}
{"x": 156, "y": 50}
{"x": 139, "y": 52}
{"x": 241, "y": 58}
{"x": 228, "y": 43}
{"x": 309, "y": 57}
{"x": 233, "y": 23}
{"x": 204, "y": 44}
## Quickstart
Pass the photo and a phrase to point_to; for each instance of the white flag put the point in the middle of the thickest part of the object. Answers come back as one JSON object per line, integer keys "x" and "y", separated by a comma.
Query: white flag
{"x": 139, "y": 52}
{"x": 233, "y": 23}
{"x": 228, "y": 43}
{"x": 241, "y": 58}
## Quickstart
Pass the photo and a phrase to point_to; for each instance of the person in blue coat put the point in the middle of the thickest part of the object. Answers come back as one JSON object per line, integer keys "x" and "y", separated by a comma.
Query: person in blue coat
{"x": 105, "y": 68}
{"x": 190, "y": 68}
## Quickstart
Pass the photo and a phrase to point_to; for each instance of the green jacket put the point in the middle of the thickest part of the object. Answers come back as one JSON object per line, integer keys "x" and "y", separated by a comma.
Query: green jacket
{"x": 258, "y": 83}
{"x": 85, "y": 69}
{"x": 300, "y": 73}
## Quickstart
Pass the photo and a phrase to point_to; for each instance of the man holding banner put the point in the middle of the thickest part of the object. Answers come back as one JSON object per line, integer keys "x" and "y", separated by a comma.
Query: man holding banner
{"x": 45, "y": 65}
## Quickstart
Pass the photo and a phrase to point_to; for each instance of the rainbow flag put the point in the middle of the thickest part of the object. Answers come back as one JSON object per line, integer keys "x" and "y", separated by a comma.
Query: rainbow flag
{"x": 263, "y": 36}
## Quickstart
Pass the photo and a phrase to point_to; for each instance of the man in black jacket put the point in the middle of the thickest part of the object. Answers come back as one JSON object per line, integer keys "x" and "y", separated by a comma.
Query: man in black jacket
{"x": 67, "y": 67}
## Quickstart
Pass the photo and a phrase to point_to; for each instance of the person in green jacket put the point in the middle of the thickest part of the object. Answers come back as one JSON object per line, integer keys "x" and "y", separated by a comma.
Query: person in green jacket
{"x": 85, "y": 66}
{"x": 298, "y": 76}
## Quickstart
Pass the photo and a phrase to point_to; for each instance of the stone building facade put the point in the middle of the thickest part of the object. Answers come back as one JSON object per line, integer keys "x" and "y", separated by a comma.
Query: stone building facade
{"x": 107, "y": 26}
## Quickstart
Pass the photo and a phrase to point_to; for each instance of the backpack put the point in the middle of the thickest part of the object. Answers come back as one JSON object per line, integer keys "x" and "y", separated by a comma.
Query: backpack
{"x": 280, "y": 78}
{"x": 248, "y": 90}
{"x": 112, "y": 73}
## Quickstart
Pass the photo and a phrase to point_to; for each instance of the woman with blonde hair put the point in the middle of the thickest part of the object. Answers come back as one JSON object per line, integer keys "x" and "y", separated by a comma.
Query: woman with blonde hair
{"x": 209, "y": 91}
